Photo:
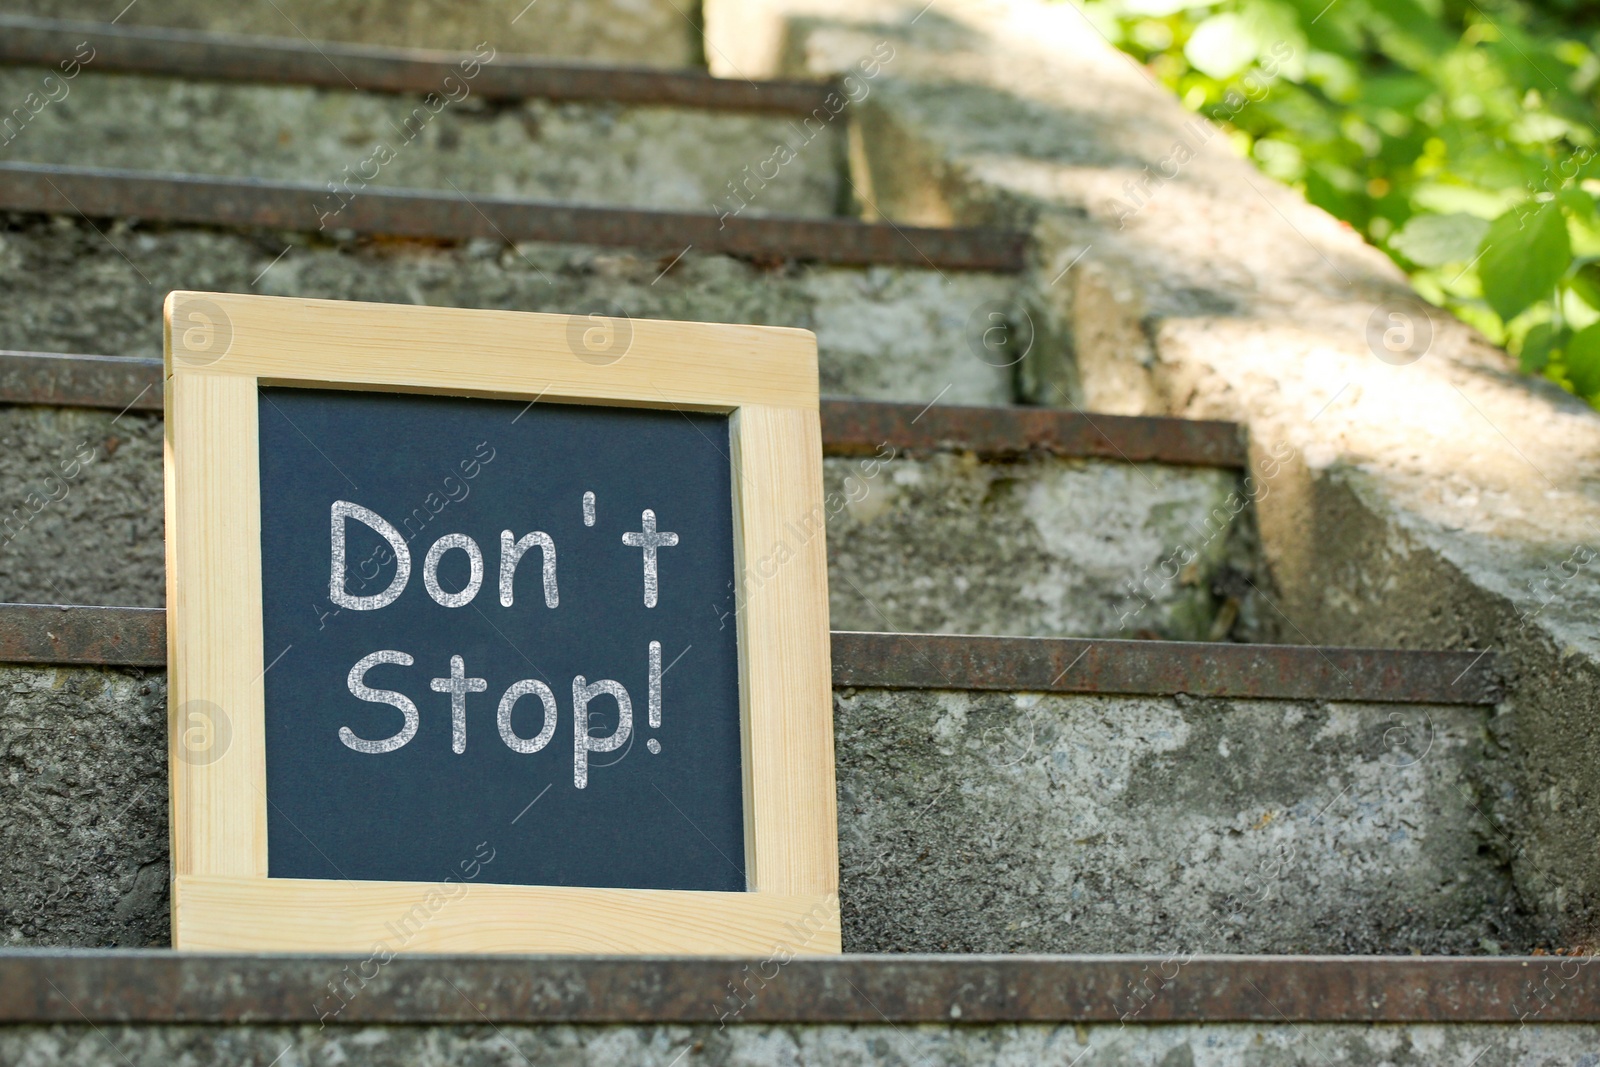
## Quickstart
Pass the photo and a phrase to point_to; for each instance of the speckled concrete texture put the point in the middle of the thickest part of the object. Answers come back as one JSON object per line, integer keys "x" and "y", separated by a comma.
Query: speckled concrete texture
{"x": 81, "y": 507}
{"x": 83, "y": 808}
{"x": 888, "y": 333}
{"x": 661, "y": 33}
{"x": 968, "y": 822}
{"x": 664, "y": 158}
{"x": 1040, "y": 547}
{"x": 1001, "y": 822}
{"x": 1216, "y": 1045}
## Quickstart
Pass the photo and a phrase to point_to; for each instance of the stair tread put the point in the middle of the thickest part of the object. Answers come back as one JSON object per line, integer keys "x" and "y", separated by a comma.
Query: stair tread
{"x": 154, "y": 986}
{"x": 243, "y": 202}
{"x": 130, "y": 636}
{"x": 25, "y": 40}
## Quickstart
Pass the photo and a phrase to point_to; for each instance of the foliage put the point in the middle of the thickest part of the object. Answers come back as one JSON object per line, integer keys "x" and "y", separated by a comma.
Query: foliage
{"x": 1457, "y": 135}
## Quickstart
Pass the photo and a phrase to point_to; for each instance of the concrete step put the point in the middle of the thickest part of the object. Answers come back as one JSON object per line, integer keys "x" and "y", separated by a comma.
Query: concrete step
{"x": 942, "y": 518}
{"x": 995, "y": 794}
{"x": 657, "y": 33}
{"x": 448, "y": 218}
{"x": 120, "y": 1008}
{"x": 900, "y": 313}
{"x": 484, "y": 124}
{"x": 269, "y": 60}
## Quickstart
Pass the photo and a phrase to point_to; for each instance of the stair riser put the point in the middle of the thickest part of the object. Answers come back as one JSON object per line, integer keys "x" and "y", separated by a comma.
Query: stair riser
{"x": 653, "y": 32}
{"x": 591, "y": 153}
{"x": 83, "y": 766}
{"x": 1001, "y": 822}
{"x": 937, "y": 544}
{"x": 1212, "y": 1045}
{"x": 1043, "y": 547}
{"x": 81, "y": 507}
{"x": 968, "y": 822}
{"x": 886, "y": 333}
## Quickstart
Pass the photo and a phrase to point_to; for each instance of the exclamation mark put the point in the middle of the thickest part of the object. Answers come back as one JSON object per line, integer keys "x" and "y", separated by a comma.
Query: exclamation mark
{"x": 655, "y": 696}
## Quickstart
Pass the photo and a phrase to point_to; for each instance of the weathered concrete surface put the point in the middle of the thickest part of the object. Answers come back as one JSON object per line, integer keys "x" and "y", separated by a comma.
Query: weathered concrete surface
{"x": 955, "y": 1045}
{"x": 666, "y": 158}
{"x": 970, "y": 822}
{"x": 1043, "y": 547}
{"x": 81, "y": 507}
{"x": 944, "y": 543}
{"x": 888, "y": 333}
{"x": 83, "y": 808}
{"x": 660, "y": 33}
{"x": 1001, "y": 822}
{"x": 1430, "y": 498}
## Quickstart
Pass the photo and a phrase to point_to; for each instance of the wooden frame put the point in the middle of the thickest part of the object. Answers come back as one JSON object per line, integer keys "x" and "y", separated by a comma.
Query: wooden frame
{"x": 220, "y": 348}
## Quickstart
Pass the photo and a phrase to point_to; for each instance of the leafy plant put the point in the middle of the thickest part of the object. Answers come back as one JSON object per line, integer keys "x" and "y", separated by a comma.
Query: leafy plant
{"x": 1460, "y": 136}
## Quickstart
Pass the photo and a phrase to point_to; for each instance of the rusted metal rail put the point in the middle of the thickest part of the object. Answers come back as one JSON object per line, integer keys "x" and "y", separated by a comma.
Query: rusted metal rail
{"x": 251, "y": 204}
{"x": 270, "y": 60}
{"x": 47, "y": 633}
{"x": 861, "y": 427}
{"x": 1211, "y": 669}
{"x": 143, "y": 986}
{"x": 112, "y": 382}
{"x": 849, "y": 427}
{"x": 136, "y": 637}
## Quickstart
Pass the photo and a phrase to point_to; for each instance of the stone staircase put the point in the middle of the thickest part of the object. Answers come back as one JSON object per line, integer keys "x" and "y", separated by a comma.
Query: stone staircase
{"x": 1063, "y": 730}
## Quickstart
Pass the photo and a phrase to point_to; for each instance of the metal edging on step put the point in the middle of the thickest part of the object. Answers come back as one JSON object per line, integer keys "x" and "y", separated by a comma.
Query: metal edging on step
{"x": 83, "y": 635}
{"x": 850, "y": 427}
{"x": 1201, "y": 669}
{"x": 134, "y": 986}
{"x": 117, "y": 383}
{"x": 861, "y": 427}
{"x": 247, "y": 203}
{"x": 26, "y": 41}
{"x": 136, "y": 637}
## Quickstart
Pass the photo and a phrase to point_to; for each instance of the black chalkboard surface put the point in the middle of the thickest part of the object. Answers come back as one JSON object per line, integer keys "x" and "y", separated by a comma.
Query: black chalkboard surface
{"x": 599, "y": 542}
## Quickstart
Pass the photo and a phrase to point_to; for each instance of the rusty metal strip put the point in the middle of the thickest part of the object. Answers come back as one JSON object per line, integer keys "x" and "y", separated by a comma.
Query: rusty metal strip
{"x": 1072, "y": 665}
{"x": 133, "y": 986}
{"x": 849, "y": 427}
{"x": 108, "y": 637}
{"x": 80, "y": 381}
{"x": 34, "y": 633}
{"x": 859, "y": 427}
{"x": 225, "y": 57}
{"x": 439, "y": 216}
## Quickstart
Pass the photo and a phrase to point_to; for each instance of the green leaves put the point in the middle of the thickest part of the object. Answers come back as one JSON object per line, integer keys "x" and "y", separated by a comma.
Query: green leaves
{"x": 1534, "y": 355}
{"x": 1221, "y": 46}
{"x": 1585, "y": 281}
{"x": 1434, "y": 240}
{"x": 1582, "y": 360}
{"x": 1462, "y": 138}
{"x": 1524, "y": 254}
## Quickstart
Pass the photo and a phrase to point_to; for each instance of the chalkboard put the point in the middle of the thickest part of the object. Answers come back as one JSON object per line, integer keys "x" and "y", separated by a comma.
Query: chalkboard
{"x": 447, "y": 585}
{"x": 495, "y": 632}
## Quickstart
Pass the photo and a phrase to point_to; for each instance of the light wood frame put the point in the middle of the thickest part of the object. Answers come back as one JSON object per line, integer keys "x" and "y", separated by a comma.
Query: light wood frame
{"x": 219, "y": 349}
